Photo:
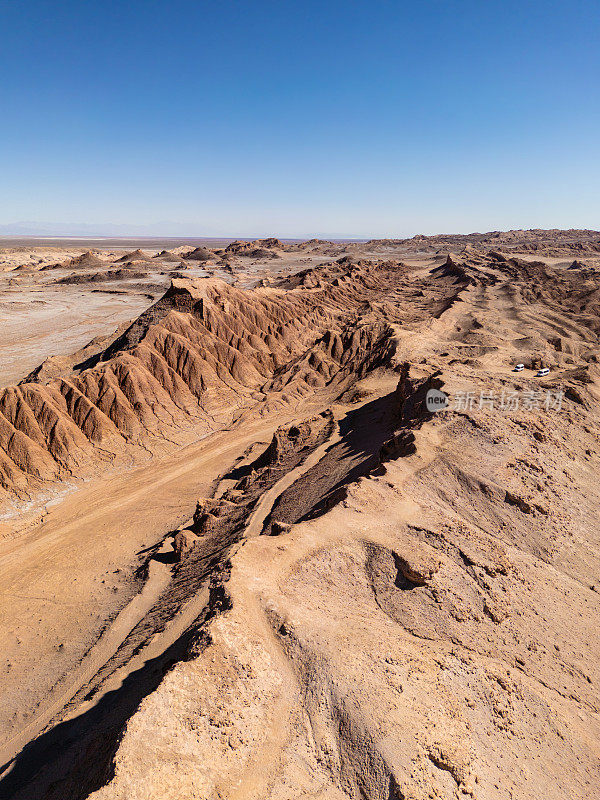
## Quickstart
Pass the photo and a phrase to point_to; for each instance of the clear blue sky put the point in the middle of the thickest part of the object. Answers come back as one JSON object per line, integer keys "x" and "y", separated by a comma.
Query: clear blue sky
{"x": 299, "y": 118}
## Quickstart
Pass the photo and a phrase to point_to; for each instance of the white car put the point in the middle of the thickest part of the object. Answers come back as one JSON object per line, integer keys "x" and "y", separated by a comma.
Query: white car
{"x": 519, "y": 368}
{"x": 541, "y": 372}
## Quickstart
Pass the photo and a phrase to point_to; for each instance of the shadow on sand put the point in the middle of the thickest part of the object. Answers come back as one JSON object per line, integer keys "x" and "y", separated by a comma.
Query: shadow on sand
{"x": 75, "y": 757}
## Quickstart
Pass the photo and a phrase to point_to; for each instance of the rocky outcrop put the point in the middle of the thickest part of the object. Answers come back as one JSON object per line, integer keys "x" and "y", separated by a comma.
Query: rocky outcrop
{"x": 185, "y": 366}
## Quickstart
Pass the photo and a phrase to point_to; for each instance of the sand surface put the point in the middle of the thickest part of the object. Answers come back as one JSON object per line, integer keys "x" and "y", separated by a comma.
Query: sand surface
{"x": 240, "y": 557}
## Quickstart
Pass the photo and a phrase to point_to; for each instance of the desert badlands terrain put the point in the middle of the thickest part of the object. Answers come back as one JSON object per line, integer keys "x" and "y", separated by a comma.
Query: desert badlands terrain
{"x": 243, "y": 556}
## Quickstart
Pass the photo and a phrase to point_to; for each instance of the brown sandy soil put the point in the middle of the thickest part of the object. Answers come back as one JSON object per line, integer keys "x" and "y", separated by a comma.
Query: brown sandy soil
{"x": 266, "y": 570}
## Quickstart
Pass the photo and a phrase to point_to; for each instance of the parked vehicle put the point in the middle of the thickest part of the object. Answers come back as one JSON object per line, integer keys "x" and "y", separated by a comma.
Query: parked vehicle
{"x": 519, "y": 368}
{"x": 541, "y": 372}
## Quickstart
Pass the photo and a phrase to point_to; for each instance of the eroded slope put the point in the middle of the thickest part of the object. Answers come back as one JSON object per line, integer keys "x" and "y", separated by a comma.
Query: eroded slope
{"x": 422, "y": 620}
{"x": 188, "y": 366}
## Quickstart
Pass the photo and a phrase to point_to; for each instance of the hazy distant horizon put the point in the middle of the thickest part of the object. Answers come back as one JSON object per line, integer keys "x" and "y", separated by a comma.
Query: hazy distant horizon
{"x": 80, "y": 232}
{"x": 77, "y": 231}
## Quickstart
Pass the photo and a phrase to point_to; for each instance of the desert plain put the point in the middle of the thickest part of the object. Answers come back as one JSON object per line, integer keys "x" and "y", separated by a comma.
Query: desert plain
{"x": 243, "y": 557}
